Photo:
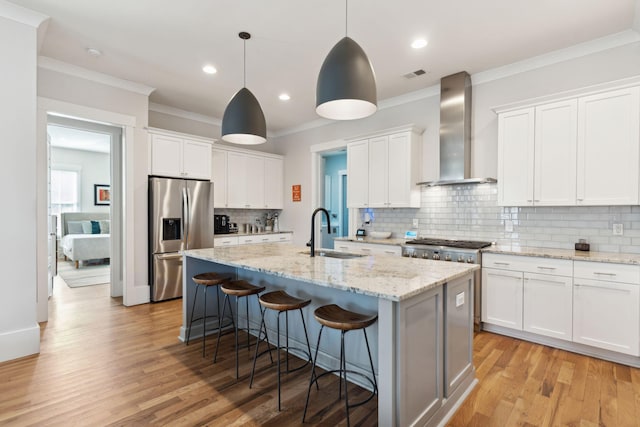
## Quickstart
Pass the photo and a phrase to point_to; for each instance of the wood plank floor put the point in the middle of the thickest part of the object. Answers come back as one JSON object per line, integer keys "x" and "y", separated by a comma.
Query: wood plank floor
{"x": 105, "y": 364}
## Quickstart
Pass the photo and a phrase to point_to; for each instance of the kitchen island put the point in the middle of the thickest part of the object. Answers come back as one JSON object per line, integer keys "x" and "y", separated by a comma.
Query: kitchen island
{"x": 421, "y": 344}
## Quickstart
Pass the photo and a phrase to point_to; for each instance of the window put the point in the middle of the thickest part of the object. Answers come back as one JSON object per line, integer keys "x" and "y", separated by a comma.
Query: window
{"x": 64, "y": 191}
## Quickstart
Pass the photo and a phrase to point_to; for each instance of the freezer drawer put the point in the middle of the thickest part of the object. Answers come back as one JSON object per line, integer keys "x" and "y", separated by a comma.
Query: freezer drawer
{"x": 167, "y": 276}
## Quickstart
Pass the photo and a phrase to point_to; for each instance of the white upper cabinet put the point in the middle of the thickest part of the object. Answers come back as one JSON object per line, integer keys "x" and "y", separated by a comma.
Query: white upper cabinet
{"x": 178, "y": 156}
{"x": 246, "y": 179}
{"x": 515, "y": 157}
{"x": 358, "y": 174}
{"x": 577, "y": 151}
{"x": 608, "y": 126}
{"x": 383, "y": 171}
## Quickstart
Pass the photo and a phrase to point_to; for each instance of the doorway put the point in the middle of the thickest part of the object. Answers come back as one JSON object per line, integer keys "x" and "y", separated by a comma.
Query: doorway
{"x": 335, "y": 192}
{"x": 84, "y": 198}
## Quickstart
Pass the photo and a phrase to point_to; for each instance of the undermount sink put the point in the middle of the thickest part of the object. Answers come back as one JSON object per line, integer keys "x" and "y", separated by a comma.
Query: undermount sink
{"x": 333, "y": 254}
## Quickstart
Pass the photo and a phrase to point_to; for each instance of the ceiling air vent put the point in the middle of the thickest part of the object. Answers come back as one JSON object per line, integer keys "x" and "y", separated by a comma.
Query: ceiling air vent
{"x": 414, "y": 74}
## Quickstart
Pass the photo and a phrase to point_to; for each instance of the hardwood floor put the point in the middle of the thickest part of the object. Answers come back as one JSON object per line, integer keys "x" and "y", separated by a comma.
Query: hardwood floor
{"x": 105, "y": 364}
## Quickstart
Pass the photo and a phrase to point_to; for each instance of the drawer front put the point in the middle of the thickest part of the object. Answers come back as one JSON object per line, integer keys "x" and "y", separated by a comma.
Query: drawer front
{"x": 368, "y": 248}
{"x": 248, "y": 240}
{"x": 225, "y": 241}
{"x": 540, "y": 265}
{"x": 504, "y": 262}
{"x": 620, "y": 273}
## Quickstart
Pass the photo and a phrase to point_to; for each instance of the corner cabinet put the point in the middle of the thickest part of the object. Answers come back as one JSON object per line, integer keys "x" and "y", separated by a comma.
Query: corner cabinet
{"x": 179, "y": 156}
{"x": 574, "y": 151}
{"x": 384, "y": 170}
{"x": 245, "y": 179}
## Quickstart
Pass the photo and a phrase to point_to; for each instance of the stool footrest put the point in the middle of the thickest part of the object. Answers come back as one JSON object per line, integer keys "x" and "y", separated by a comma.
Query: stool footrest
{"x": 315, "y": 379}
{"x": 288, "y": 371}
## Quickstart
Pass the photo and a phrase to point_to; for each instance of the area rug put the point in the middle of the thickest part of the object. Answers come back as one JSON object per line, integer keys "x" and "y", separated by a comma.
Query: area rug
{"x": 86, "y": 275}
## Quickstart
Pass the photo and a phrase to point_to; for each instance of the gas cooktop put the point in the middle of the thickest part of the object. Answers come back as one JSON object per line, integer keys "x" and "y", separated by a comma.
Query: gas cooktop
{"x": 464, "y": 244}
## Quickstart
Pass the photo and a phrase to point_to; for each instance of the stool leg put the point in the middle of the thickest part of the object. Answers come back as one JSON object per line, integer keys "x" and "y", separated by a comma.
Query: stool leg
{"x": 304, "y": 325}
{"x": 255, "y": 357}
{"x": 224, "y": 306}
{"x": 344, "y": 371}
{"x": 248, "y": 323}
{"x": 373, "y": 374}
{"x": 278, "y": 350}
{"x": 236, "y": 328}
{"x": 204, "y": 322}
{"x": 193, "y": 310}
{"x": 266, "y": 334}
{"x": 313, "y": 374}
{"x": 341, "y": 358}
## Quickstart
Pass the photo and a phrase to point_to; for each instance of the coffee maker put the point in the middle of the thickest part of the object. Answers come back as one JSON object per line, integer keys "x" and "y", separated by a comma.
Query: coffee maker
{"x": 221, "y": 224}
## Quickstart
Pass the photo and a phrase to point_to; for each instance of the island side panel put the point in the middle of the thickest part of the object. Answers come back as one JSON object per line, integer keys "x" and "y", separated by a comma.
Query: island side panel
{"x": 387, "y": 342}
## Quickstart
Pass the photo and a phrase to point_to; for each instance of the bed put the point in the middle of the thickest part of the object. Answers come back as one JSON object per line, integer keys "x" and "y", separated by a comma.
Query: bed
{"x": 85, "y": 236}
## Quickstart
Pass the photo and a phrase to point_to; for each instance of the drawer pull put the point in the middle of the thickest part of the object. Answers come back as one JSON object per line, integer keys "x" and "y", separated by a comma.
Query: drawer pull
{"x": 365, "y": 249}
{"x": 545, "y": 281}
{"x": 546, "y": 268}
{"x": 248, "y": 241}
{"x": 389, "y": 252}
{"x": 343, "y": 247}
{"x": 504, "y": 275}
{"x": 501, "y": 263}
{"x": 265, "y": 240}
{"x": 604, "y": 274}
{"x": 582, "y": 285}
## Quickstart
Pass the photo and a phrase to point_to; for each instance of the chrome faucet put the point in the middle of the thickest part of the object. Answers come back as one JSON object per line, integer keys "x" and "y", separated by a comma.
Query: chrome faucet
{"x": 312, "y": 242}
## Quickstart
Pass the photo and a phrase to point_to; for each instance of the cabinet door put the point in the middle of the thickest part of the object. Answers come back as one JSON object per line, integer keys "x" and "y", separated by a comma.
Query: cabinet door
{"x": 608, "y": 134}
{"x": 555, "y": 153}
{"x": 166, "y": 156}
{"x": 273, "y": 183}
{"x": 255, "y": 182}
{"x": 379, "y": 172}
{"x": 605, "y": 315}
{"x": 196, "y": 159}
{"x": 219, "y": 178}
{"x": 399, "y": 170}
{"x": 237, "y": 180}
{"x": 515, "y": 157}
{"x": 548, "y": 302}
{"x": 358, "y": 174}
{"x": 502, "y": 298}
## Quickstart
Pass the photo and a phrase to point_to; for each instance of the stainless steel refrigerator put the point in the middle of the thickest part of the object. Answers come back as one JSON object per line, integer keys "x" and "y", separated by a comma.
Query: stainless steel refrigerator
{"x": 180, "y": 217}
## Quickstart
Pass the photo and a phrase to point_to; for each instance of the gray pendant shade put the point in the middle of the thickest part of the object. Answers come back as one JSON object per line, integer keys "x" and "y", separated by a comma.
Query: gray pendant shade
{"x": 346, "y": 87}
{"x": 243, "y": 121}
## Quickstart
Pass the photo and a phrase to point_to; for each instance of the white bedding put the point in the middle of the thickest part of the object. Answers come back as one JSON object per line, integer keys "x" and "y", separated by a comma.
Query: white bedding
{"x": 82, "y": 247}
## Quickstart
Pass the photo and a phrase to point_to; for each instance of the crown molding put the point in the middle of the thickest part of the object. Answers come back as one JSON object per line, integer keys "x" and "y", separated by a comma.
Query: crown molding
{"x": 21, "y": 14}
{"x": 177, "y": 112}
{"x": 51, "y": 64}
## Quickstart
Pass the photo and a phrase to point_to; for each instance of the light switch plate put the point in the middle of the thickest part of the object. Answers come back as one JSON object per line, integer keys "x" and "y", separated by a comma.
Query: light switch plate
{"x": 617, "y": 230}
{"x": 460, "y": 299}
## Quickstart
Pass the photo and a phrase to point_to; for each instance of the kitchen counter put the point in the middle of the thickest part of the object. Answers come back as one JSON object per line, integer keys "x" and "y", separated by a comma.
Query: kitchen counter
{"x": 421, "y": 344}
{"x": 366, "y": 239}
{"x": 614, "y": 257}
{"x": 381, "y": 277}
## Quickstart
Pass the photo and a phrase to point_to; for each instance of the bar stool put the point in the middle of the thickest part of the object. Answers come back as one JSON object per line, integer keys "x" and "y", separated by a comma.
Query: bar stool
{"x": 281, "y": 302}
{"x": 239, "y": 289}
{"x": 204, "y": 281}
{"x": 335, "y": 317}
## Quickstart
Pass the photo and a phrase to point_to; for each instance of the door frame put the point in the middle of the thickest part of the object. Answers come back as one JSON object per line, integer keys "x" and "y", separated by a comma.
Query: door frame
{"x": 51, "y": 106}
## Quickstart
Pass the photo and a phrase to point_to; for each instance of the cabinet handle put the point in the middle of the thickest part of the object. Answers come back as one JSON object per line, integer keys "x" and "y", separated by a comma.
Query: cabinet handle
{"x": 604, "y": 274}
{"x": 529, "y": 200}
{"x": 365, "y": 250}
{"x": 546, "y": 268}
{"x": 248, "y": 241}
{"x": 265, "y": 240}
{"x": 582, "y": 285}
{"x": 389, "y": 252}
{"x": 504, "y": 275}
{"x": 544, "y": 281}
{"x": 343, "y": 247}
{"x": 579, "y": 199}
{"x": 501, "y": 263}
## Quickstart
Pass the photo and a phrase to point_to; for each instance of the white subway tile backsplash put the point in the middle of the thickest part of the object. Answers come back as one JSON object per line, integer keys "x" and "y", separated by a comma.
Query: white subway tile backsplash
{"x": 471, "y": 212}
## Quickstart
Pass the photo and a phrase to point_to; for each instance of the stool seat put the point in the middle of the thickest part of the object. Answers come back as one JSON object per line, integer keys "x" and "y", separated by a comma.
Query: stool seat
{"x": 335, "y": 317}
{"x": 210, "y": 279}
{"x": 282, "y": 301}
{"x": 240, "y": 288}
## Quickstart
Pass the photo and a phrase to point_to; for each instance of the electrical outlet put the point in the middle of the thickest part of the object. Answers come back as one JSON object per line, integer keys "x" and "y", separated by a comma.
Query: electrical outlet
{"x": 508, "y": 226}
{"x": 617, "y": 230}
{"x": 416, "y": 223}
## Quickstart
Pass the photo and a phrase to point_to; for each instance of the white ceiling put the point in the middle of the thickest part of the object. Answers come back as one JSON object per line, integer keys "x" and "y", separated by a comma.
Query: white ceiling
{"x": 78, "y": 139}
{"x": 165, "y": 43}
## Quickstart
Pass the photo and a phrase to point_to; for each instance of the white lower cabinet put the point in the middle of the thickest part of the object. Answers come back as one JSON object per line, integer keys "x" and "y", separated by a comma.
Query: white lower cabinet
{"x": 547, "y": 305}
{"x": 251, "y": 239}
{"x": 502, "y": 298}
{"x": 368, "y": 248}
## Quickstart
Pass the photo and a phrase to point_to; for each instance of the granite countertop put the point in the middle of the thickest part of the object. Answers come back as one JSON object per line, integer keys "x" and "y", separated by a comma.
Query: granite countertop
{"x": 620, "y": 258}
{"x": 253, "y": 234}
{"x": 367, "y": 239}
{"x": 391, "y": 278}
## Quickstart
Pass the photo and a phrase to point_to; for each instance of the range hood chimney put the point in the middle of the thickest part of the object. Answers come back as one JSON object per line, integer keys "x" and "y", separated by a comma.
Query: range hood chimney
{"x": 455, "y": 132}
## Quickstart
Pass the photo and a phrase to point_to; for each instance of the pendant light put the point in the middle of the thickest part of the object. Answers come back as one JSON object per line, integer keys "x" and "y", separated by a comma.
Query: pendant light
{"x": 346, "y": 87}
{"x": 243, "y": 121}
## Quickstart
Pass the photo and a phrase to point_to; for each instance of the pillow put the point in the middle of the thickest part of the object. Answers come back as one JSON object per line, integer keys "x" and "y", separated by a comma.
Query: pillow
{"x": 95, "y": 227}
{"x": 86, "y": 227}
{"x": 105, "y": 226}
{"x": 74, "y": 227}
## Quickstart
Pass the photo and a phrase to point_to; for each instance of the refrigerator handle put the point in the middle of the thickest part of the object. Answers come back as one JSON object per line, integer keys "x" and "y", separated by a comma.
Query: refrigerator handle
{"x": 185, "y": 217}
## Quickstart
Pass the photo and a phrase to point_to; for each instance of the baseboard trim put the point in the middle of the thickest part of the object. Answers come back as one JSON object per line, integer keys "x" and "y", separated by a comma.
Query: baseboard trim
{"x": 19, "y": 343}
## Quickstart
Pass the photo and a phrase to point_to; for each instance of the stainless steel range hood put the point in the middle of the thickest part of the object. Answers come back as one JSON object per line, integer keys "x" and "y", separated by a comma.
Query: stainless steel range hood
{"x": 455, "y": 132}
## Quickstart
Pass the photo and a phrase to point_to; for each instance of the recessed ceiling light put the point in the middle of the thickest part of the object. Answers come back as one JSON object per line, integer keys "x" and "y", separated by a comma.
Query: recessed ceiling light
{"x": 93, "y": 51}
{"x": 284, "y": 97}
{"x": 419, "y": 43}
{"x": 209, "y": 69}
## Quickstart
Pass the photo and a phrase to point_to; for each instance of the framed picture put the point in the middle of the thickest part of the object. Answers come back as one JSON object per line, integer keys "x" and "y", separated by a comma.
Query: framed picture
{"x": 101, "y": 195}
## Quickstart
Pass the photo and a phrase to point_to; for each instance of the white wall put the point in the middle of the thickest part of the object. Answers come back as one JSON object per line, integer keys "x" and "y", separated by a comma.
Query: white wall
{"x": 94, "y": 169}
{"x": 19, "y": 330}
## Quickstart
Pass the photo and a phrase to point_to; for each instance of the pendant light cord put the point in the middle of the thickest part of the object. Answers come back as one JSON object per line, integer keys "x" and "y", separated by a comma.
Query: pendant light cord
{"x": 346, "y": 16}
{"x": 244, "y": 62}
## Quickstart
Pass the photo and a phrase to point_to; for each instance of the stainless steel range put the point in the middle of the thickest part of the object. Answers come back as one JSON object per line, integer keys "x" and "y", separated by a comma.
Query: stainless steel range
{"x": 467, "y": 251}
